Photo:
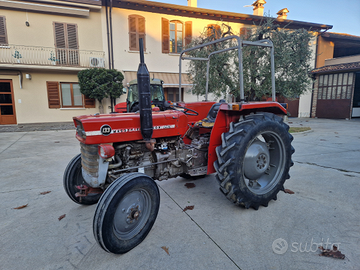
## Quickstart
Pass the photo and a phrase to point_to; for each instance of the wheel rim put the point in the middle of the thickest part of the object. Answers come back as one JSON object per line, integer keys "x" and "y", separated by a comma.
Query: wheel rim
{"x": 131, "y": 214}
{"x": 264, "y": 163}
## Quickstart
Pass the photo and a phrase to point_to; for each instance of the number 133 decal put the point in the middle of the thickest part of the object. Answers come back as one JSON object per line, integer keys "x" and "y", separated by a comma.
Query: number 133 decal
{"x": 105, "y": 130}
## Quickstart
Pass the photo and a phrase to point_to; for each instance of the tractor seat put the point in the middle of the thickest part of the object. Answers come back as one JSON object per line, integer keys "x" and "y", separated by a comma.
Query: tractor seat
{"x": 209, "y": 120}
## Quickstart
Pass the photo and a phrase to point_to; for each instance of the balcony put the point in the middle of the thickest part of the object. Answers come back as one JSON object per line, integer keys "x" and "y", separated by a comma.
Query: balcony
{"x": 49, "y": 57}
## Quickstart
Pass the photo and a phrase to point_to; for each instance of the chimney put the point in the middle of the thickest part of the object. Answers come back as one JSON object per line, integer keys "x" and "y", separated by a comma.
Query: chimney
{"x": 192, "y": 3}
{"x": 282, "y": 14}
{"x": 259, "y": 7}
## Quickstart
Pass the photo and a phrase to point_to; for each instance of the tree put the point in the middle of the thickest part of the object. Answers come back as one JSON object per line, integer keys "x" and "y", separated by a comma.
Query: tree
{"x": 100, "y": 83}
{"x": 292, "y": 62}
{"x": 220, "y": 72}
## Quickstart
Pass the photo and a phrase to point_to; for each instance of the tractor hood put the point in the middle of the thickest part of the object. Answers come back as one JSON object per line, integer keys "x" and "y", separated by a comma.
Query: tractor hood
{"x": 122, "y": 127}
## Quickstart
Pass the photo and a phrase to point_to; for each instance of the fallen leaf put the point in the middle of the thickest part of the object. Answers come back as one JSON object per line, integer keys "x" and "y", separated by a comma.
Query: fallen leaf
{"x": 20, "y": 207}
{"x": 45, "y": 192}
{"x": 57, "y": 142}
{"x": 166, "y": 250}
{"x": 190, "y": 185}
{"x": 189, "y": 207}
{"x": 336, "y": 132}
{"x": 290, "y": 122}
{"x": 288, "y": 191}
{"x": 62, "y": 216}
{"x": 323, "y": 140}
{"x": 334, "y": 253}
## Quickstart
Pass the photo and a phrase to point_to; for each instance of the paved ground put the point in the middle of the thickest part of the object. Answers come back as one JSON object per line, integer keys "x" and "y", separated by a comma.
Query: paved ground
{"x": 215, "y": 235}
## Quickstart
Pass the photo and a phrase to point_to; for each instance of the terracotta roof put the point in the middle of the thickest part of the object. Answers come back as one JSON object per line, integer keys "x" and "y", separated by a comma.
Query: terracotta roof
{"x": 337, "y": 68}
{"x": 186, "y": 11}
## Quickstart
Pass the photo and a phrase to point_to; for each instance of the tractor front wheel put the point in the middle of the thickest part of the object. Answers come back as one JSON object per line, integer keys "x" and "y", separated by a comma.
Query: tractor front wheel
{"x": 126, "y": 212}
{"x": 254, "y": 160}
{"x": 73, "y": 178}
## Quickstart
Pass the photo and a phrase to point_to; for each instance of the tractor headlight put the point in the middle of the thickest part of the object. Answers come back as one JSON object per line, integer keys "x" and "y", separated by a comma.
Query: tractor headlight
{"x": 106, "y": 151}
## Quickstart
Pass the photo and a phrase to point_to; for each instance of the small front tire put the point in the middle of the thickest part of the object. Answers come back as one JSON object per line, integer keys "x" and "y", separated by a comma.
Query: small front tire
{"x": 126, "y": 212}
{"x": 72, "y": 178}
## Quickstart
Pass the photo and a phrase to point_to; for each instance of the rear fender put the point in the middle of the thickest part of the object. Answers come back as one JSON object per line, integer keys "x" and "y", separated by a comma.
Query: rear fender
{"x": 231, "y": 112}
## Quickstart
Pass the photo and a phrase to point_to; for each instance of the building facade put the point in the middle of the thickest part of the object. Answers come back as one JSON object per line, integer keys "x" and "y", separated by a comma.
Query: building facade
{"x": 45, "y": 43}
{"x": 337, "y": 77}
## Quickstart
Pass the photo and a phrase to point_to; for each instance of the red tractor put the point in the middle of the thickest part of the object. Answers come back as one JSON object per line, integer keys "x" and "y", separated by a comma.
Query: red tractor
{"x": 132, "y": 100}
{"x": 247, "y": 145}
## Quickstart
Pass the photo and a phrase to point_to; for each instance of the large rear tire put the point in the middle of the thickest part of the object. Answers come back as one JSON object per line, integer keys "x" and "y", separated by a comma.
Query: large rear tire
{"x": 254, "y": 160}
{"x": 72, "y": 178}
{"x": 126, "y": 212}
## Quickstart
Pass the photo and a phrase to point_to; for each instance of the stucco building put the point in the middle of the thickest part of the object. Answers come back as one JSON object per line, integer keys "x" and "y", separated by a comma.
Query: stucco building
{"x": 45, "y": 43}
{"x": 337, "y": 86}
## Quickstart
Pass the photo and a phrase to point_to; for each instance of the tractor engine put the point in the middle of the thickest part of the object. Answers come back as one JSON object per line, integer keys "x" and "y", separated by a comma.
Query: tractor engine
{"x": 169, "y": 158}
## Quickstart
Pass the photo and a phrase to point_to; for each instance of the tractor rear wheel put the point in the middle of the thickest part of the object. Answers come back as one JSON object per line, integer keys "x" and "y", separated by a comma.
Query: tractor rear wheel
{"x": 72, "y": 178}
{"x": 254, "y": 160}
{"x": 126, "y": 212}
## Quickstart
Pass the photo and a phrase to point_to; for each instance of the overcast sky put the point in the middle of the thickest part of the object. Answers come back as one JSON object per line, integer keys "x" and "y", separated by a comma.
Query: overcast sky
{"x": 343, "y": 15}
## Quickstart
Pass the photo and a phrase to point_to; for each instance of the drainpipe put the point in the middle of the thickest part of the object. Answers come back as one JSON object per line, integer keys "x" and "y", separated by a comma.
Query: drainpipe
{"x": 313, "y": 84}
{"x": 108, "y": 33}
{"x": 112, "y": 101}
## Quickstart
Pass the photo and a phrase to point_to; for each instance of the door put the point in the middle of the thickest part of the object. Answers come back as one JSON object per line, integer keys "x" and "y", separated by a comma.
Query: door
{"x": 356, "y": 99}
{"x": 334, "y": 95}
{"x": 7, "y": 104}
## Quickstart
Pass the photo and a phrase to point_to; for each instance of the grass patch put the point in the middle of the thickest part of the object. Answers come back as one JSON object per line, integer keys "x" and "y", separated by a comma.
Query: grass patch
{"x": 298, "y": 129}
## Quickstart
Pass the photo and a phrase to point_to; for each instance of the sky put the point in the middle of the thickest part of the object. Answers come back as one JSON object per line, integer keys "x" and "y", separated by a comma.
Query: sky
{"x": 343, "y": 15}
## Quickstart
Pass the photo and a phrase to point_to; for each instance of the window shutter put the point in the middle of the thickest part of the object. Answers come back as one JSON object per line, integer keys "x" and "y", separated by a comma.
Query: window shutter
{"x": 59, "y": 30}
{"x": 132, "y": 34}
{"x": 89, "y": 102}
{"x": 3, "y": 37}
{"x": 188, "y": 33}
{"x": 245, "y": 32}
{"x": 213, "y": 30}
{"x": 165, "y": 35}
{"x": 72, "y": 41}
{"x": 141, "y": 30}
{"x": 53, "y": 94}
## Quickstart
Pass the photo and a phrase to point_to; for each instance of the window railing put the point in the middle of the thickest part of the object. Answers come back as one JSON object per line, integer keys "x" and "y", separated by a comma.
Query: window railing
{"x": 48, "y": 56}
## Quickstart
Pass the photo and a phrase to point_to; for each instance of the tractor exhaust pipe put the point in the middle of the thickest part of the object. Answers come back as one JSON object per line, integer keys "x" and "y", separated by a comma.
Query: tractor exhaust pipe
{"x": 143, "y": 80}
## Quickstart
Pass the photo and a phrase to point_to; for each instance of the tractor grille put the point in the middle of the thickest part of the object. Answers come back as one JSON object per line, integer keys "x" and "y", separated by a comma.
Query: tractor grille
{"x": 90, "y": 158}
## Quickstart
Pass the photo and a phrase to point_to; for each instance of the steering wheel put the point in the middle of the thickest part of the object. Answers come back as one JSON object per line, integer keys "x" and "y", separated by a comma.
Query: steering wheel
{"x": 134, "y": 107}
{"x": 185, "y": 110}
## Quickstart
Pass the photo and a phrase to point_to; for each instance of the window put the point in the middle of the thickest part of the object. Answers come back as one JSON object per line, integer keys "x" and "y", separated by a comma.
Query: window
{"x": 136, "y": 31}
{"x": 172, "y": 94}
{"x": 66, "y": 43}
{"x": 176, "y": 37}
{"x": 71, "y": 95}
{"x": 173, "y": 38}
{"x": 3, "y": 36}
{"x": 214, "y": 31}
{"x": 335, "y": 86}
{"x": 67, "y": 95}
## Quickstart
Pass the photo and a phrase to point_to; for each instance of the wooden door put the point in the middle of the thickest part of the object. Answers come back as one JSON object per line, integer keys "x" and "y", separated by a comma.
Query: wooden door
{"x": 7, "y": 104}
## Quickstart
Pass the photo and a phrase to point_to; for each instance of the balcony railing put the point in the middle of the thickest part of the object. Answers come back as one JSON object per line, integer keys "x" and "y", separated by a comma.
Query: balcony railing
{"x": 48, "y": 56}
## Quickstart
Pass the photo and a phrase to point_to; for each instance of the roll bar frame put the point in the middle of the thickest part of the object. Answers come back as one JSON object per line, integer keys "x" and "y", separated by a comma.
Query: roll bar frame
{"x": 240, "y": 43}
